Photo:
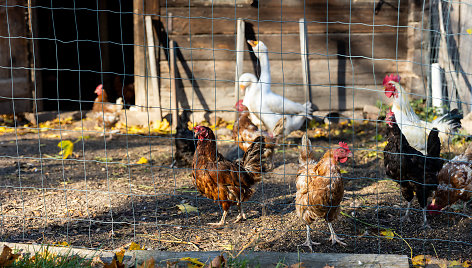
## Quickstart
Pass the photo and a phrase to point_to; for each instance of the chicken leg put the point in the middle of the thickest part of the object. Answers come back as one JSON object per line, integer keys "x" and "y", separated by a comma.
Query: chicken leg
{"x": 308, "y": 242}
{"x": 425, "y": 220}
{"x": 222, "y": 221}
{"x": 241, "y": 215}
{"x": 407, "y": 214}
{"x": 334, "y": 238}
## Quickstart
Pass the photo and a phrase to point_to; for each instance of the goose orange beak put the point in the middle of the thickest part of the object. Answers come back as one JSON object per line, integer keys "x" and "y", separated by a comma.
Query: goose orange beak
{"x": 252, "y": 43}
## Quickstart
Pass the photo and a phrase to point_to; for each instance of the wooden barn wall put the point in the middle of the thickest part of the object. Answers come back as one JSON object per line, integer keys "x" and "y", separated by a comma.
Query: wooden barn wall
{"x": 205, "y": 38}
{"x": 14, "y": 57}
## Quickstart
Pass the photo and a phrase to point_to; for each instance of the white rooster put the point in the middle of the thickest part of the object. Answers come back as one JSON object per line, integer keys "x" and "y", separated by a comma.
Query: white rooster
{"x": 265, "y": 104}
{"x": 416, "y": 130}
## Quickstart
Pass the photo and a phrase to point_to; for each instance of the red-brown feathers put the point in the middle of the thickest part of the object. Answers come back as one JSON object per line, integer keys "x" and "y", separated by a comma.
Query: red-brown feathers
{"x": 219, "y": 179}
{"x": 320, "y": 187}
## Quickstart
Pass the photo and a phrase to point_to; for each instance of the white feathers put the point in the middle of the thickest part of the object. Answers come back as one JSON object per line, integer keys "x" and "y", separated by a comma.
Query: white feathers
{"x": 267, "y": 106}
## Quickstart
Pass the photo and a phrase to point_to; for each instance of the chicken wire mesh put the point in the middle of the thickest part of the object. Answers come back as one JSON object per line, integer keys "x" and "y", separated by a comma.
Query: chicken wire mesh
{"x": 109, "y": 176}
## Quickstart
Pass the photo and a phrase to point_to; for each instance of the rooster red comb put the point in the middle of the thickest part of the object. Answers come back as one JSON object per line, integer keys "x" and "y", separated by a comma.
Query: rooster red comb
{"x": 343, "y": 145}
{"x": 392, "y": 77}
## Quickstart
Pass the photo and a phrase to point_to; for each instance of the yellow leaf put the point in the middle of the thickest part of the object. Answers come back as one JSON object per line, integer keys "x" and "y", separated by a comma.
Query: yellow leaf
{"x": 67, "y": 147}
{"x": 343, "y": 171}
{"x": 454, "y": 263}
{"x": 230, "y": 126}
{"x": 142, "y": 160}
{"x": 120, "y": 255}
{"x": 466, "y": 264}
{"x": 227, "y": 247}
{"x": 187, "y": 208}
{"x": 469, "y": 31}
{"x": 63, "y": 244}
{"x": 193, "y": 261}
{"x": 387, "y": 233}
{"x": 135, "y": 246}
{"x": 421, "y": 260}
{"x": 191, "y": 125}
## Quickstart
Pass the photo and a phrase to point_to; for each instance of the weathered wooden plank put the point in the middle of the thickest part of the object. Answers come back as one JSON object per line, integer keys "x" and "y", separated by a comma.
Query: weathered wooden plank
{"x": 240, "y": 42}
{"x": 265, "y": 3}
{"x": 21, "y": 87}
{"x": 286, "y": 47}
{"x": 173, "y": 85}
{"x": 139, "y": 54}
{"x": 304, "y": 58}
{"x": 208, "y": 74}
{"x": 272, "y": 259}
{"x": 153, "y": 94}
{"x": 340, "y": 18}
{"x": 263, "y": 259}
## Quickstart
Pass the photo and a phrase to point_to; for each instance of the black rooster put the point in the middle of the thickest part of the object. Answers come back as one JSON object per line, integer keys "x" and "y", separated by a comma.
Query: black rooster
{"x": 410, "y": 168}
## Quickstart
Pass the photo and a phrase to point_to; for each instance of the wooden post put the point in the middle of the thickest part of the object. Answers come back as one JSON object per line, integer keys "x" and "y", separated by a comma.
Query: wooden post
{"x": 304, "y": 57}
{"x": 240, "y": 28}
{"x": 153, "y": 93}
{"x": 139, "y": 55}
{"x": 173, "y": 87}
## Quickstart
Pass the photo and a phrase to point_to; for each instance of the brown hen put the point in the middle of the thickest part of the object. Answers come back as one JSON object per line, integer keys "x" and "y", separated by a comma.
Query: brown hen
{"x": 245, "y": 132}
{"x": 225, "y": 182}
{"x": 106, "y": 114}
{"x": 455, "y": 182}
{"x": 320, "y": 187}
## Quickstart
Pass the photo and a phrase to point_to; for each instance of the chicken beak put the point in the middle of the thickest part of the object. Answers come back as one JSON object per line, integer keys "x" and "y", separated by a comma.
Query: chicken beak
{"x": 252, "y": 43}
{"x": 242, "y": 87}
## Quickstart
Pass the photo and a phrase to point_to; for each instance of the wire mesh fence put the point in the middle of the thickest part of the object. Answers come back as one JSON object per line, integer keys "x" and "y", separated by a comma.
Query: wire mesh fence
{"x": 100, "y": 101}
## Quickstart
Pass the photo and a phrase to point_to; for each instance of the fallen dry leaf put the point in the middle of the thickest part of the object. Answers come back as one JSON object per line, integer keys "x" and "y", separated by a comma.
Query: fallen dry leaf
{"x": 135, "y": 246}
{"x": 187, "y": 208}
{"x": 114, "y": 264}
{"x": 67, "y": 147}
{"x": 120, "y": 255}
{"x": 142, "y": 160}
{"x": 7, "y": 258}
{"x": 194, "y": 262}
{"x": 97, "y": 262}
{"x": 149, "y": 263}
{"x": 297, "y": 265}
{"x": 217, "y": 262}
{"x": 387, "y": 233}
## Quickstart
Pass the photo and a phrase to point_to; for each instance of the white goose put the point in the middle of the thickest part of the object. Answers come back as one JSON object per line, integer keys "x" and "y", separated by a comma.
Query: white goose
{"x": 265, "y": 104}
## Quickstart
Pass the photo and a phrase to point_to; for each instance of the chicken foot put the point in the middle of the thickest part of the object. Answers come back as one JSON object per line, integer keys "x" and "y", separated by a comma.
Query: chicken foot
{"x": 241, "y": 215}
{"x": 425, "y": 220}
{"x": 334, "y": 238}
{"x": 222, "y": 221}
{"x": 308, "y": 243}
{"x": 407, "y": 214}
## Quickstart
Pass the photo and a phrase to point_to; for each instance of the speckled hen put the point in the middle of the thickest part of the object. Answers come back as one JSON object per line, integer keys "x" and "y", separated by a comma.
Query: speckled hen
{"x": 320, "y": 187}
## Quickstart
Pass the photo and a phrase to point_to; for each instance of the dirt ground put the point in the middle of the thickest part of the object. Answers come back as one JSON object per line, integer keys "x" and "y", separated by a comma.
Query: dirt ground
{"x": 90, "y": 202}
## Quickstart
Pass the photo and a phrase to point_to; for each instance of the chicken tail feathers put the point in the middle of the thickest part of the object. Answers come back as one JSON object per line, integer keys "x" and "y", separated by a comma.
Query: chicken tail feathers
{"x": 451, "y": 119}
{"x": 306, "y": 153}
{"x": 433, "y": 143}
{"x": 253, "y": 155}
